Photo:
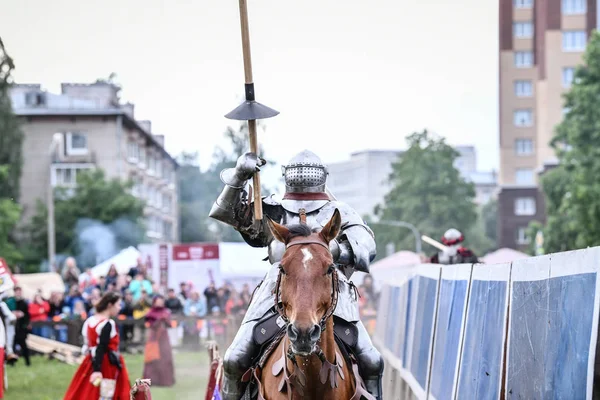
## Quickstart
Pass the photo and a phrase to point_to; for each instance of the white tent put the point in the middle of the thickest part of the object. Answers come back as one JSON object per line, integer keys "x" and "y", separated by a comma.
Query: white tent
{"x": 241, "y": 263}
{"x": 126, "y": 259}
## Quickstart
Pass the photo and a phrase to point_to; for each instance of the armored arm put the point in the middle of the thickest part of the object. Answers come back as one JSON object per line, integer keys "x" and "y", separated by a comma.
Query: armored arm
{"x": 232, "y": 206}
{"x": 354, "y": 247}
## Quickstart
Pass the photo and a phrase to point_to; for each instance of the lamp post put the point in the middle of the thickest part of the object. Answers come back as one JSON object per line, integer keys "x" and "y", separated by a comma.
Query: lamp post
{"x": 403, "y": 224}
{"x": 50, "y": 205}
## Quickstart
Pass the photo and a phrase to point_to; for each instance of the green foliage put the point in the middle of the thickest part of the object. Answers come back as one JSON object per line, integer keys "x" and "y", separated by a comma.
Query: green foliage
{"x": 199, "y": 190}
{"x": 532, "y": 231}
{"x": 572, "y": 189}
{"x": 428, "y": 192}
{"x": 94, "y": 200}
{"x": 11, "y": 136}
{"x": 11, "y": 141}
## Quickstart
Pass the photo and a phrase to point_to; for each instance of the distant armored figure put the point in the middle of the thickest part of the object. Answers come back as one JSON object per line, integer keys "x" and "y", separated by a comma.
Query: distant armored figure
{"x": 306, "y": 199}
{"x": 455, "y": 253}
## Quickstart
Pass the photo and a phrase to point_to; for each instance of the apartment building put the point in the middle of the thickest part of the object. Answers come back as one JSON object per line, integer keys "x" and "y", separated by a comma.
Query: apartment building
{"x": 541, "y": 43}
{"x": 83, "y": 127}
{"x": 363, "y": 180}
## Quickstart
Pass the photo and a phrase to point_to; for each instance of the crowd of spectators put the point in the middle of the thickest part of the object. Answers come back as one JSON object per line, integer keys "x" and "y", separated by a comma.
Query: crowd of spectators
{"x": 83, "y": 291}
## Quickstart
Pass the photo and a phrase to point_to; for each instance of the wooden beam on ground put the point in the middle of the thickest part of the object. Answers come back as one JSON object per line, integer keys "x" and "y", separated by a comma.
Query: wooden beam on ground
{"x": 64, "y": 352}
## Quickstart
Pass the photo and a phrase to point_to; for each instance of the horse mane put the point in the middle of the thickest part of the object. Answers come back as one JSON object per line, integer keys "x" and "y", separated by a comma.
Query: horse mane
{"x": 300, "y": 230}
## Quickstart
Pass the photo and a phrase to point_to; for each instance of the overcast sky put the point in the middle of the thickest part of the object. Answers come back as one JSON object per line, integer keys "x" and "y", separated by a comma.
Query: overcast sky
{"x": 346, "y": 75}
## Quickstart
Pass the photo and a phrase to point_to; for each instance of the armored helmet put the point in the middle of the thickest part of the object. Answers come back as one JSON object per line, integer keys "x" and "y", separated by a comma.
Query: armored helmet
{"x": 305, "y": 173}
{"x": 452, "y": 237}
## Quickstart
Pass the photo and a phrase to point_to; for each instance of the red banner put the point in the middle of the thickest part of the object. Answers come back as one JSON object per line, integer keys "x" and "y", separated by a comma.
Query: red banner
{"x": 197, "y": 251}
{"x": 163, "y": 265}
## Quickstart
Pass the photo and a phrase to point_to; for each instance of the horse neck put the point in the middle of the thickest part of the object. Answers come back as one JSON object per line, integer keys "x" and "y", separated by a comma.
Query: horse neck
{"x": 312, "y": 366}
{"x": 327, "y": 342}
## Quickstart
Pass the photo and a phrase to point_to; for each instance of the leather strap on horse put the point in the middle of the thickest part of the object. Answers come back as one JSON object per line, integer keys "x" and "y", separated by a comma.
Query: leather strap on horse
{"x": 141, "y": 390}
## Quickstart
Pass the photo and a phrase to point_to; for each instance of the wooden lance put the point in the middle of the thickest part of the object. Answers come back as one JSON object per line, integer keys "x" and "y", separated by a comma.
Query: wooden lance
{"x": 434, "y": 243}
{"x": 250, "y": 110}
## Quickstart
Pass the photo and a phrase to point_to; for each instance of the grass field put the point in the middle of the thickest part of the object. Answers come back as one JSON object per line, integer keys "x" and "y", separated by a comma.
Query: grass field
{"x": 49, "y": 379}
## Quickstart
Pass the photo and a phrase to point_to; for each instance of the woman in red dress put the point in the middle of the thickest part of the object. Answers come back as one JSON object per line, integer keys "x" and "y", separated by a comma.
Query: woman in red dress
{"x": 103, "y": 367}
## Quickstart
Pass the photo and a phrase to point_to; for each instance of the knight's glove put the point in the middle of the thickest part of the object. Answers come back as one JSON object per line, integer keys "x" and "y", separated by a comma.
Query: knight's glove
{"x": 341, "y": 252}
{"x": 247, "y": 165}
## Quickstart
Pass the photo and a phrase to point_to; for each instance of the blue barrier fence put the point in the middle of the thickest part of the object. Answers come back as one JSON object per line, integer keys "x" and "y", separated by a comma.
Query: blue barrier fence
{"x": 525, "y": 330}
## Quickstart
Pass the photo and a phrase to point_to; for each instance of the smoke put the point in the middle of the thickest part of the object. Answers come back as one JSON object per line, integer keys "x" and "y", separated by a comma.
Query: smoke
{"x": 97, "y": 242}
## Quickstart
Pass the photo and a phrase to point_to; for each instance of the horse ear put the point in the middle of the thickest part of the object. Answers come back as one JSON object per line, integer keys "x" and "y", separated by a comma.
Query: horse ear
{"x": 280, "y": 232}
{"x": 332, "y": 228}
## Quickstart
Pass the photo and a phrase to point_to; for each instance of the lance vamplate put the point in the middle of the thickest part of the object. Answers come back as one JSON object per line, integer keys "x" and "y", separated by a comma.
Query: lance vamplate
{"x": 250, "y": 110}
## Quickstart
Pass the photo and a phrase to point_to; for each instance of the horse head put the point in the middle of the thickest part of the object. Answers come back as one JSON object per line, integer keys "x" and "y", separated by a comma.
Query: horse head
{"x": 307, "y": 281}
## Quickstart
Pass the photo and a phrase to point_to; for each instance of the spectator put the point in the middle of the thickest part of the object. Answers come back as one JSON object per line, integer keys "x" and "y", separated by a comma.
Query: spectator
{"x": 60, "y": 310}
{"x": 112, "y": 276}
{"x": 246, "y": 295}
{"x": 212, "y": 296}
{"x": 222, "y": 296}
{"x": 87, "y": 281}
{"x": 138, "y": 285}
{"x": 122, "y": 284}
{"x": 79, "y": 310}
{"x": 73, "y": 296}
{"x": 21, "y": 311}
{"x": 173, "y": 303}
{"x": 70, "y": 272}
{"x": 93, "y": 299}
{"x": 194, "y": 306}
{"x": 235, "y": 304}
{"x": 142, "y": 306}
{"x": 57, "y": 305}
{"x": 370, "y": 289}
{"x": 183, "y": 292}
{"x": 126, "y": 331}
{"x": 38, "y": 310}
{"x": 101, "y": 285}
{"x": 137, "y": 269}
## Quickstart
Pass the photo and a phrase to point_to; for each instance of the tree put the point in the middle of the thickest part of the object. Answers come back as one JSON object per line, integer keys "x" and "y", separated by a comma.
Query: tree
{"x": 199, "y": 190}
{"x": 11, "y": 141}
{"x": 427, "y": 191}
{"x": 572, "y": 189}
{"x": 92, "y": 220}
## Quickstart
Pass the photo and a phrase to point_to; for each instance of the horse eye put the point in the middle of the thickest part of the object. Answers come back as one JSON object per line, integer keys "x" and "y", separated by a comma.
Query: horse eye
{"x": 330, "y": 269}
{"x": 281, "y": 269}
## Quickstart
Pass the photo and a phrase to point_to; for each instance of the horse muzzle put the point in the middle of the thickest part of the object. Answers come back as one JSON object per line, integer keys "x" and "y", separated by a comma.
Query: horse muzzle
{"x": 303, "y": 340}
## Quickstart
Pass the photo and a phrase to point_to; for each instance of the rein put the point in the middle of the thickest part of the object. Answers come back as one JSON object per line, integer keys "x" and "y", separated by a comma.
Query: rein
{"x": 335, "y": 283}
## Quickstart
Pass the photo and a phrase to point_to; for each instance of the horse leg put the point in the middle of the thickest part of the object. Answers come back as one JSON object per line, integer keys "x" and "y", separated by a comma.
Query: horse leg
{"x": 370, "y": 362}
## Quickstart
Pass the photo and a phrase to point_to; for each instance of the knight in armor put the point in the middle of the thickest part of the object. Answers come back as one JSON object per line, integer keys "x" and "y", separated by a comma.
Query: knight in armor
{"x": 455, "y": 253}
{"x": 353, "y": 250}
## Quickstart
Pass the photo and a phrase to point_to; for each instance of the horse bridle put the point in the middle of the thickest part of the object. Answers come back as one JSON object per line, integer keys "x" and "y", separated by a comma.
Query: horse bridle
{"x": 335, "y": 283}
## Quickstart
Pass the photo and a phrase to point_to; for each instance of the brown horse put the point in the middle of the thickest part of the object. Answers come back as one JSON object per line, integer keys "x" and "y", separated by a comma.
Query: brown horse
{"x": 307, "y": 363}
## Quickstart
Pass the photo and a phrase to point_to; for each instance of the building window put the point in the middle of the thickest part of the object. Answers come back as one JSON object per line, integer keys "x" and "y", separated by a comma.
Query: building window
{"x": 525, "y": 206}
{"x": 522, "y": 237}
{"x": 166, "y": 202}
{"x": 66, "y": 176}
{"x": 159, "y": 168}
{"x": 138, "y": 187}
{"x": 523, "y": 30}
{"x": 523, "y": 59}
{"x": 570, "y": 7}
{"x": 523, "y": 3}
{"x": 568, "y": 74}
{"x": 574, "y": 40}
{"x": 155, "y": 227}
{"x": 524, "y": 177}
{"x": 76, "y": 144}
{"x": 523, "y": 88}
{"x": 133, "y": 151}
{"x": 151, "y": 162}
{"x": 35, "y": 98}
{"x": 523, "y": 117}
{"x": 142, "y": 152}
{"x": 524, "y": 147}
